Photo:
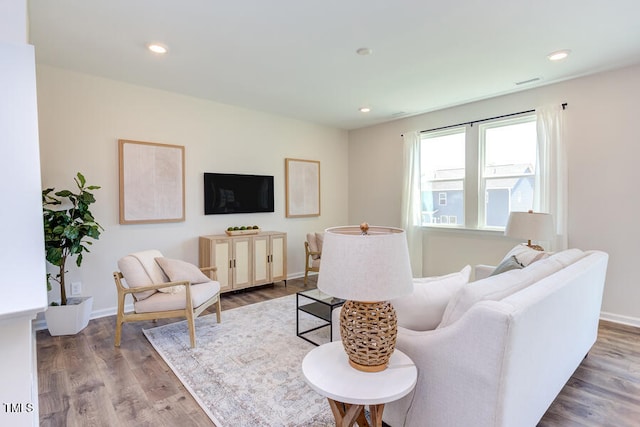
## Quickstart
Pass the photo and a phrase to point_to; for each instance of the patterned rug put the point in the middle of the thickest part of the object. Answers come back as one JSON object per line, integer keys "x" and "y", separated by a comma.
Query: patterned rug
{"x": 246, "y": 371}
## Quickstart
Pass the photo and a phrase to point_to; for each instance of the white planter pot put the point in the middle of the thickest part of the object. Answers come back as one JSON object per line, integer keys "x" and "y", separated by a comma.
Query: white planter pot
{"x": 69, "y": 319}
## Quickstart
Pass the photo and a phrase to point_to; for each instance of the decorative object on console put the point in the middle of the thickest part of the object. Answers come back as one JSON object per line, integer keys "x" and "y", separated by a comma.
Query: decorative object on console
{"x": 249, "y": 229}
{"x": 531, "y": 226}
{"x": 367, "y": 266}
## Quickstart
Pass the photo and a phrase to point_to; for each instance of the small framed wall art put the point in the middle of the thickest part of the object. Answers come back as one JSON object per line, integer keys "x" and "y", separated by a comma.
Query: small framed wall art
{"x": 302, "y": 188}
{"x": 151, "y": 182}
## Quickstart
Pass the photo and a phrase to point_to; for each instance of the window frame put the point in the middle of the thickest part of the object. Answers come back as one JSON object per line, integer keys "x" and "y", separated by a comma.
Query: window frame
{"x": 474, "y": 183}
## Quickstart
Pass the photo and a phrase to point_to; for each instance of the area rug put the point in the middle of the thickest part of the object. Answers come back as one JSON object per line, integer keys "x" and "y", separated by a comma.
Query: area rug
{"x": 246, "y": 371}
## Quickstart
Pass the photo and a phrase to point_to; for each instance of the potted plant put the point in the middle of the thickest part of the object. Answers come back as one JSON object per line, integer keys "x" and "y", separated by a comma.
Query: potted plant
{"x": 68, "y": 226}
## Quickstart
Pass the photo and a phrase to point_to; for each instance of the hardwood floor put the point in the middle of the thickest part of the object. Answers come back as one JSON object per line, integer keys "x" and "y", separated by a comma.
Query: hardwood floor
{"x": 85, "y": 381}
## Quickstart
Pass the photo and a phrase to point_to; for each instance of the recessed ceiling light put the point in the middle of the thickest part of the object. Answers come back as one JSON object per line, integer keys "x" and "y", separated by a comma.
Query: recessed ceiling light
{"x": 158, "y": 48}
{"x": 365, "y": 109}
{"x": 558, "y": 55}
{"x": 364, "y": 51}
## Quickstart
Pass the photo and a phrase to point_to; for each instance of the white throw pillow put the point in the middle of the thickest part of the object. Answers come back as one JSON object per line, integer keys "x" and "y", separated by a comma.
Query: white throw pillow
{"x": 422, "y": 310}
{"x": 177, "y": 271}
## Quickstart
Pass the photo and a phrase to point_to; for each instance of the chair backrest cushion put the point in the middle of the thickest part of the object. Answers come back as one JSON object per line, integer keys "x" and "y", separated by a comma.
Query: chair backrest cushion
{"x": 320, "y": 242}
{"x": 141, "y": 269}
{"x": 313, "y": 245}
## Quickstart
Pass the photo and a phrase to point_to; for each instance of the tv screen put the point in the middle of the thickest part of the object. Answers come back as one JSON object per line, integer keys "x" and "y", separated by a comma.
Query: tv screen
{"x": 233, "y": 193}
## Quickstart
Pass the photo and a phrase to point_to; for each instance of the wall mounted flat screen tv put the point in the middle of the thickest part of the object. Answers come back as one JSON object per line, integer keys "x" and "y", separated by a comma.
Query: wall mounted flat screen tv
{"x": 234, "y": 193}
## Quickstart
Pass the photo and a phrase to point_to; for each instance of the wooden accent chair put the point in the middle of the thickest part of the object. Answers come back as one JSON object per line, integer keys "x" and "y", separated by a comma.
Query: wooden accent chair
{"x": 164, "y": 288}
{"x": 313, "y": 253}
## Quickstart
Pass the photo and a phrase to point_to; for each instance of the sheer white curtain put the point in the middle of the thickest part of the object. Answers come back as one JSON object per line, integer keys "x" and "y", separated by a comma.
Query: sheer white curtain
{"x": 411, "y": 200}
{"x": 551, "y": 178}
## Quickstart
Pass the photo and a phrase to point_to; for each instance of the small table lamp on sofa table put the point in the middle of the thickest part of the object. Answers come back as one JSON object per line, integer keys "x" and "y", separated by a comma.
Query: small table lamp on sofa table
{"x": 367, "y": 266}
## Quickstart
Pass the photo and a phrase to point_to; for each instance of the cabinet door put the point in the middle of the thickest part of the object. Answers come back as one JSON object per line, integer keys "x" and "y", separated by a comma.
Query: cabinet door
{"x": 278, "y": 257}
{"x": 242, "y": 258}
{"x": 222, "y": 258}
{"x": 261, "y": 273}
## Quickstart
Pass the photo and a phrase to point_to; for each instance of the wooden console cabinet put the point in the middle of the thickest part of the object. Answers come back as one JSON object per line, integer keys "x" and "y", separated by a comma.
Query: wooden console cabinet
{"x": 244, "y": 261}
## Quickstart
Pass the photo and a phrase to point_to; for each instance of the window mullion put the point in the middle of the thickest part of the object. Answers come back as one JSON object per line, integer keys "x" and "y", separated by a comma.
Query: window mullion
{"x": 471, "y": 183}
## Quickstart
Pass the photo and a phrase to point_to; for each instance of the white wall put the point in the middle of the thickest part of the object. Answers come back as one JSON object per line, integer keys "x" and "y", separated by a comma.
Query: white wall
{"x": 13, "y": 16}
{"x": 81, "y": 119}
{"x": 603, "y": 177}
{"x": 22, "y": 258}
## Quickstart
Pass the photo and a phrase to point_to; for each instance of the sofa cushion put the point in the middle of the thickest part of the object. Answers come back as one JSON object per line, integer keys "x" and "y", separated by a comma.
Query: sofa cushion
{"x": 422, "y": 310}
{"x": 140, "y": 269}
{"x": 508, "y": 264}
{"x": 495, "y": 288}
{"x": 163, "y": 301}
{"x": 177, "y": 271}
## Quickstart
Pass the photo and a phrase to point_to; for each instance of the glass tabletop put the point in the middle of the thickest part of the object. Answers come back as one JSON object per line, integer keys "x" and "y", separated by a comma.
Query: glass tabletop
{"x": 317, "y": 295}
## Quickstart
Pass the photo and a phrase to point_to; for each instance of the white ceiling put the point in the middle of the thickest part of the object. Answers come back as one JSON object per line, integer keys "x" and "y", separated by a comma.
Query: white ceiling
{"x": 298, "y": 58}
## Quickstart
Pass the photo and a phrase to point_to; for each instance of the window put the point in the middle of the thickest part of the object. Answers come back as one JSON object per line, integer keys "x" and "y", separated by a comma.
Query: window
{"x": 442, "y": 167}
{"x": 474, "y": 176}
{"x": 508, "y": 167}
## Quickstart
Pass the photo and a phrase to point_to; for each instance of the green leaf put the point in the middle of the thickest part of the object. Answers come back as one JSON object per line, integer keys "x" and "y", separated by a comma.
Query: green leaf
{"x": 82, "y": 180}
{"x": 64, "y": 193}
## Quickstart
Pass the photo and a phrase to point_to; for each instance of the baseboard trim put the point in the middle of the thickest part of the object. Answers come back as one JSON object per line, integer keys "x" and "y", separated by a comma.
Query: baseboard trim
{"x": 618, "y": 318}
{"x": 41, "y": 324}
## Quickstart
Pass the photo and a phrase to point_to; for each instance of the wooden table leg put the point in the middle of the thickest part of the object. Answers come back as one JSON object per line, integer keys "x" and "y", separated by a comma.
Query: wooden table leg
{"x": 346, "y": 415}
{"x": 376, "y": 414}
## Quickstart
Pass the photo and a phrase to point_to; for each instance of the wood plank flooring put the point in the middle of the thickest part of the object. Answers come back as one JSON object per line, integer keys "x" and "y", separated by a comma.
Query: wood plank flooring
{"x": 85, "y": 381}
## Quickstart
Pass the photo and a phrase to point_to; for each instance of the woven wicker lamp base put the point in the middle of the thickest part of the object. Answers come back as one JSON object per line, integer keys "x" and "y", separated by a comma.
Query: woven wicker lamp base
{"x": 368, "y": 331}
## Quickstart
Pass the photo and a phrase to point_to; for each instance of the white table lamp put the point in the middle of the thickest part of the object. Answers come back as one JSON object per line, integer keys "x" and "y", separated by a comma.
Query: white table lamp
{"x": 367, "y": 266}
{"x": 531, "y": 226}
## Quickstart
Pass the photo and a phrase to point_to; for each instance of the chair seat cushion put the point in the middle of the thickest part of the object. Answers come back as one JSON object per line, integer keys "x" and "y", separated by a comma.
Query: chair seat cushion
{"x": 161, "y": 301}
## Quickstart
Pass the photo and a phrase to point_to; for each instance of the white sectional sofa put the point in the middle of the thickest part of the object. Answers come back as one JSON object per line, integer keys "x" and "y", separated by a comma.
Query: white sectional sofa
{"x": 505, "y": 346}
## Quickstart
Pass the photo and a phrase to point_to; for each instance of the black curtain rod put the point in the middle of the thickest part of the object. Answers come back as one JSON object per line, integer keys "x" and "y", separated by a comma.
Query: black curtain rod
{"x": 564, "y": 106}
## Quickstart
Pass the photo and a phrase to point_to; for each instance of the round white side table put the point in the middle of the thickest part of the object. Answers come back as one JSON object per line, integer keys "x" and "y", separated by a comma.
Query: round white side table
{"x": 327, "y": 370}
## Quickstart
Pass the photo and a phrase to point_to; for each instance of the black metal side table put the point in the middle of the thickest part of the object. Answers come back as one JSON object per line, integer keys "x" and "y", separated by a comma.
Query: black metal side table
{"x": 317, "y": 304}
